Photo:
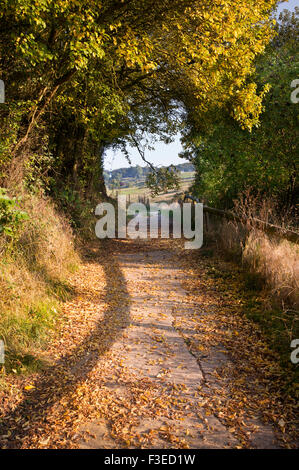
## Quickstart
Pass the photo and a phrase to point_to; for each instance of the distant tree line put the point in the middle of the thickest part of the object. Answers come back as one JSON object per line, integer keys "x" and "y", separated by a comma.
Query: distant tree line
{"x": 139, "y": 173}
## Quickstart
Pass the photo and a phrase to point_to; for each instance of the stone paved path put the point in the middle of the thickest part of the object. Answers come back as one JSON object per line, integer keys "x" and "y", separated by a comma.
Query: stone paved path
{"x": 153, "y": 349}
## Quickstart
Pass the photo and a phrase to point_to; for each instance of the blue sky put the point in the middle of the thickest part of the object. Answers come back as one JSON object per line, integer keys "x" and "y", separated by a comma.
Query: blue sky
{"x": 163, "y": 154}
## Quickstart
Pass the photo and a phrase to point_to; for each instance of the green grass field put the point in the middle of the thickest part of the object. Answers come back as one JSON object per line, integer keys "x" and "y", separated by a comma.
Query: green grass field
{"x": 134, "y": 191}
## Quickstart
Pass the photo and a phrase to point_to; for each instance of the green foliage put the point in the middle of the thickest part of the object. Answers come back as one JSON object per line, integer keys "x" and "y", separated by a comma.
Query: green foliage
{"x": 229, "y": 159}
{"x": 37, "y": 174}
{"x": 162, "y": 180}
{"x": 10, "y": 216}
{"x": 71, "y": 204}
{"x": 78, "y": 209}
{"x": 22, "y": 333}
{"x": 82, "y": 76}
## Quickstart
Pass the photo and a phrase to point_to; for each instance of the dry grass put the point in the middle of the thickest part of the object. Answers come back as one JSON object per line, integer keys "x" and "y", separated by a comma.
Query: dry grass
{"x": 269, "y": 271}
{"x": 274, "y": 260}
{"x": 277, "y": 261}
{"x": 33, "y": 273}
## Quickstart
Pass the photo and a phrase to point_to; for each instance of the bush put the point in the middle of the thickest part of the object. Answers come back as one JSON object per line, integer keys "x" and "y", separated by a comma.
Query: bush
{"x": 11, "y": 217}
{"x": 33, "y": 277}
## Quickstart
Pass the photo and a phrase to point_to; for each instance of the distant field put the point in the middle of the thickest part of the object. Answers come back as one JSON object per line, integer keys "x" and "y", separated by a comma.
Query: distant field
{"x": 187, "y": 174}
{"x": 135, "y": 191}
{"x": 132, "y": 190}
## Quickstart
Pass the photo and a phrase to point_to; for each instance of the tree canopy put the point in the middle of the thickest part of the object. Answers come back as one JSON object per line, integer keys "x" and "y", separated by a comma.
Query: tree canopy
{"x": 228, "y": 159}
{"x": 81, "y": 76}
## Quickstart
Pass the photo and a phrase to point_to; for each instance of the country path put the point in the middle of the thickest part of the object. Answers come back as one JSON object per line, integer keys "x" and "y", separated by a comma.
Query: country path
{"x": 168, "y": 409}
{"x": 151, "y": 354}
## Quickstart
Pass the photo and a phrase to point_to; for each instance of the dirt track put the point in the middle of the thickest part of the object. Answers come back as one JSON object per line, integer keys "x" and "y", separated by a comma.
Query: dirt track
{"x": 152, "y": 353}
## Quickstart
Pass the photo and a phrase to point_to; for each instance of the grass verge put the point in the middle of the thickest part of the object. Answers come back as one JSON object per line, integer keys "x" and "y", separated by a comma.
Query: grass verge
{"x": 34, "y": 267}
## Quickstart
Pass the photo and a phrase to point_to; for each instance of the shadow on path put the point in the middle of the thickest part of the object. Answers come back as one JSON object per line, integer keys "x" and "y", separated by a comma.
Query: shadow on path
{"x": 64, "y": 376}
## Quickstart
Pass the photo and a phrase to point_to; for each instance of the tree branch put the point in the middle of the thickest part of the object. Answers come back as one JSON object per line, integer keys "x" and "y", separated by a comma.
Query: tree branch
{"x": 141, "y": 153}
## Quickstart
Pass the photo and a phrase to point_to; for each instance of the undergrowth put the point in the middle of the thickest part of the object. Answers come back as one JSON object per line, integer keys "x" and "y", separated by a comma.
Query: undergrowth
{"x": 37, "y": 256}
{"x": 267, "y": 269}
